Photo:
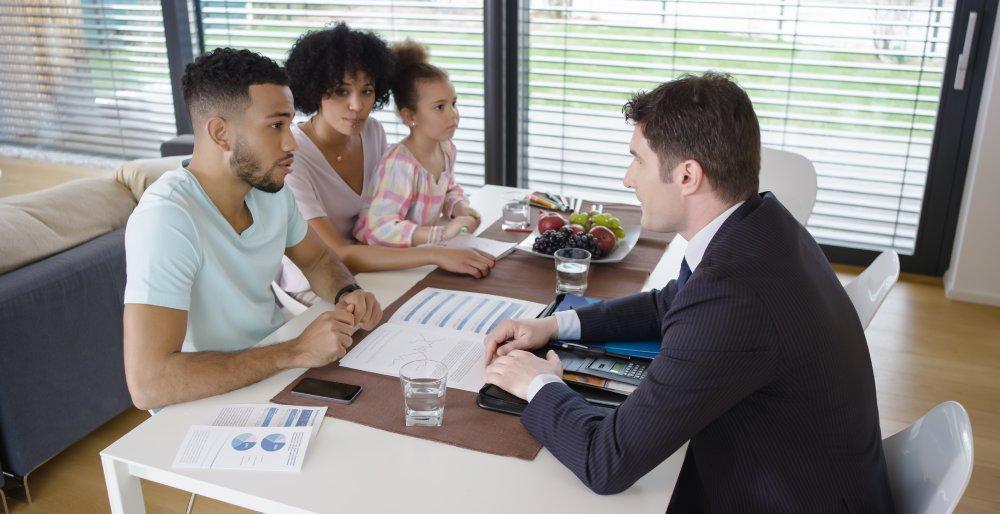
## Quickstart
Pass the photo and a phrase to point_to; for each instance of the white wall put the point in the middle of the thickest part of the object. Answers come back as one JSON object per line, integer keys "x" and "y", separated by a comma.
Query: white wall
{"x": 974, "y": 274}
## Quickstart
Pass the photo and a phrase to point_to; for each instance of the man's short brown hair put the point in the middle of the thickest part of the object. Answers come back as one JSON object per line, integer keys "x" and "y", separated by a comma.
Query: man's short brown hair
{"x": 709, "y": 119}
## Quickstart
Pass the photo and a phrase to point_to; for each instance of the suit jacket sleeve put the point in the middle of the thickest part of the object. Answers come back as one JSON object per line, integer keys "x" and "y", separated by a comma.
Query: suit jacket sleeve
{"x": 718, "y": 349}
{"x": 629, "y": 318}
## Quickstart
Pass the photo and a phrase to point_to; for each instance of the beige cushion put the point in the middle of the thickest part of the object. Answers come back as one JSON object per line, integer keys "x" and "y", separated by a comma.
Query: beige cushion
{"x": 36, "y": 225}
{"x": 137, "y": 175}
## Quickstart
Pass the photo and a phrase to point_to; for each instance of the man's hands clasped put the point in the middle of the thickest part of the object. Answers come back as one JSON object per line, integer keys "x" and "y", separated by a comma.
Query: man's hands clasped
{"x": 510, "y": 364}
{"x": 328, "y": 337}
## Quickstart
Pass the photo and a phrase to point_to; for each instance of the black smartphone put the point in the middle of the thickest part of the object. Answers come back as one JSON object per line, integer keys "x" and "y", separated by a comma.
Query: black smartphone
{"x": 336, "y": 392}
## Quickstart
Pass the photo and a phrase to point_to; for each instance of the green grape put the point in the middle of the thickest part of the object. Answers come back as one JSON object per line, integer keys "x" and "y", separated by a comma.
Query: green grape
{"x": 602, "y": 220}
{"x": 579, "y": 218}
{"x": 614, "y": 223}
{"x": 619, "y": 232}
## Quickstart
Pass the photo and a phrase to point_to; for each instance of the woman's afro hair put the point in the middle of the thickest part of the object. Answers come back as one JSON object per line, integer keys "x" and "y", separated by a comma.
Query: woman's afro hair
{"x": 320, "y": 60}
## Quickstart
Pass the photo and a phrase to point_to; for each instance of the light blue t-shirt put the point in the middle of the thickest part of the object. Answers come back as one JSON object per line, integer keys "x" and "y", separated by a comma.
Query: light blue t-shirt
{"x": 183, "y": 254}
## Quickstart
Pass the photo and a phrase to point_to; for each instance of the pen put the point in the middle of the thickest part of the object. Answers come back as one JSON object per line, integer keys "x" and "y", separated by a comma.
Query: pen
{"x": 541, "y": 202}
{"x": 579, "y": 348}
{"x": 555, "y": 200}
{"x": 587, "y": 350}
{"x": 559, "y": 200}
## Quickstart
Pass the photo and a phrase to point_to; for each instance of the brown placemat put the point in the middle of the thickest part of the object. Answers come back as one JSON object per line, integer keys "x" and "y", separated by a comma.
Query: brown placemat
{"x": 519, "y": 275}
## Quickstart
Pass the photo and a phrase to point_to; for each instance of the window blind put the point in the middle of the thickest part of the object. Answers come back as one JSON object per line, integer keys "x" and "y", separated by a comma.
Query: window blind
{"x": 85, "y": 76}
{"x": 852, "y": 85}
{"x": 452, "y": 31}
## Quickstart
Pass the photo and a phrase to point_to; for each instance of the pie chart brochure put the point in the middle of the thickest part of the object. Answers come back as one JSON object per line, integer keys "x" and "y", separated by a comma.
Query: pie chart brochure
{"x": 244, "y": 442}
{"x": 273, "y": 442}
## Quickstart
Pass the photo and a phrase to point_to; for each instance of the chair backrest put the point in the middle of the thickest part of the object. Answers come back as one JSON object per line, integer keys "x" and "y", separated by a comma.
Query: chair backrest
{"x": 869, "y": 289}
{"x": 290, "y": 307}
{"x": 792, "y": 178}
{"x": 930, "y": 461}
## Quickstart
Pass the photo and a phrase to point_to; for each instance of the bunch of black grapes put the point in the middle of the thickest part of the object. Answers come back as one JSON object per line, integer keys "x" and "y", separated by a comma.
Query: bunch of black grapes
{"x": 553, "y": 240}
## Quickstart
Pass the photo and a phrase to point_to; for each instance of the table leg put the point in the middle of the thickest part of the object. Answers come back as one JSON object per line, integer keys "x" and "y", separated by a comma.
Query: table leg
{"x": 124, "y": 490}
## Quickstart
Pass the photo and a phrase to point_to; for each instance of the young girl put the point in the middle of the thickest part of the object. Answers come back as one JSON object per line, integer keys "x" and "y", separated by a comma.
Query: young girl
{"x": 414, "y": 183}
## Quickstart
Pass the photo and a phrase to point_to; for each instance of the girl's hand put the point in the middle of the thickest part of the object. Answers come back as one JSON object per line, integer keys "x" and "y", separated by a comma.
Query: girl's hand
{"x": 476, "y": 220}
{"x": 455, "y": 226}
{"x": 464, "y": 209}
{"x": 465, "y": 260}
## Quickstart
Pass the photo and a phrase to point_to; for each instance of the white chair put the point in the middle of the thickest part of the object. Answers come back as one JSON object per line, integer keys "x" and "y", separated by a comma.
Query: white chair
{"x": 792, "y": 178}
{"x": 290, "y": 307}
{"x": 930, "y": 461}
{"x": 869, "y": 289}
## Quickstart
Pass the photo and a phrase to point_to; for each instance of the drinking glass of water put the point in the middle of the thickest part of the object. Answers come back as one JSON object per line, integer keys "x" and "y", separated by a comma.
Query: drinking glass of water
{"x": 516, "y": 214}
{"x": 571, "y": 270}
{"x": 424, "y": 384}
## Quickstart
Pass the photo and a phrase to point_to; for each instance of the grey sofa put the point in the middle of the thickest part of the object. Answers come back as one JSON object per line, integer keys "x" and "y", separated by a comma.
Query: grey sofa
{"x": 62, "y": 350}
{"x": 62, "y": 282}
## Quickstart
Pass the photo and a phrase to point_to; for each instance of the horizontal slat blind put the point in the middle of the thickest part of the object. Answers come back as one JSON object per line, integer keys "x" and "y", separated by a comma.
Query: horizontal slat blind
{"x": 852, "y": 85}
{"x": 453, "y": 31}
{"x": 85, "y": 76}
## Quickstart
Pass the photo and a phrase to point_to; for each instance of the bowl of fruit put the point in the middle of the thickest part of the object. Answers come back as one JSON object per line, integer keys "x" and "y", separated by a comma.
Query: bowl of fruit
{"x": 602, "y": 234}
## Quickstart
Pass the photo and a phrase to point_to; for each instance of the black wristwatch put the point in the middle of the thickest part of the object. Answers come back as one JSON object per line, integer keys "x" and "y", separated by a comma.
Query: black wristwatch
{"x": 344, "y": 290}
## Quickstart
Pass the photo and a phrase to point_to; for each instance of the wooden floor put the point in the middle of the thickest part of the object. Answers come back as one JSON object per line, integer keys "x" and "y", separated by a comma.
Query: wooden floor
{"x": 926, "y": 349}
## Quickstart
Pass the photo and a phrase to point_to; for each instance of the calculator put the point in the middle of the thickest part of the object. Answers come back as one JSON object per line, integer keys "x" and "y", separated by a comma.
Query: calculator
{"x": 618, "y": 369}
{"x": 630, "y": 372}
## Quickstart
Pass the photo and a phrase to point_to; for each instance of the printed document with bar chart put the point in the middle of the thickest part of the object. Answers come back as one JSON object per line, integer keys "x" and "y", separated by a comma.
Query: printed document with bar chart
{"x": 442, "y": 325}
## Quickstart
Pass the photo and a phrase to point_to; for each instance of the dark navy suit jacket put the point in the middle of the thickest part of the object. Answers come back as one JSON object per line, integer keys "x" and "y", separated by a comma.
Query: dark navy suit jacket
{"x": 764, "y": 369}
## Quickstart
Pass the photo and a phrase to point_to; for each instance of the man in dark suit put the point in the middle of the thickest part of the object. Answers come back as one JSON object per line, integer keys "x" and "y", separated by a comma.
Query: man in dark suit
{"x": 764, "y": 367}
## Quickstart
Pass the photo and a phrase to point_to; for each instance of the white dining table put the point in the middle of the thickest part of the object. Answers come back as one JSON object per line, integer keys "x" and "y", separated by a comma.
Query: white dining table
{"x": 353, "y": 468}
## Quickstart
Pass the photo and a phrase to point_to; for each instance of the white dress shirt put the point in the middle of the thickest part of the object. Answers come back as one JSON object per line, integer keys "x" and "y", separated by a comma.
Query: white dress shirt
{"x": 568, "y": 322}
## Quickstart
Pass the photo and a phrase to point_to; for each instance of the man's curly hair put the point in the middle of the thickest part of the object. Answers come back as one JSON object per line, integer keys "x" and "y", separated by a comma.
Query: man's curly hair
{"x": 218, "y": 82}
{"x": 319, "y": 61}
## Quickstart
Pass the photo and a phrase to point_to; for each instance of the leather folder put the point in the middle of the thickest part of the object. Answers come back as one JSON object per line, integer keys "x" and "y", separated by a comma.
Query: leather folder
{"x": 493, "y": 398}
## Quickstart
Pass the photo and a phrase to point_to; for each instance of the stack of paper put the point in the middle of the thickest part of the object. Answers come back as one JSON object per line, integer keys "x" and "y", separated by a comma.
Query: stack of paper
{"x": 442, "y": 325}
{"x": 257, "y": 437}
{"x": 497, "y": 249}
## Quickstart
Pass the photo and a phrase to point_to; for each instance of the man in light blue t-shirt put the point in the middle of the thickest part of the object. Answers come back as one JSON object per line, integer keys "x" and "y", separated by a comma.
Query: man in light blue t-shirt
{"x": 207, "y": 238}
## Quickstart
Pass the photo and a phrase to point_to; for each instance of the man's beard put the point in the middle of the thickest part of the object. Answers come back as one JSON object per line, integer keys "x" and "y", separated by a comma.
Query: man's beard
{"x": 248, "y": 168}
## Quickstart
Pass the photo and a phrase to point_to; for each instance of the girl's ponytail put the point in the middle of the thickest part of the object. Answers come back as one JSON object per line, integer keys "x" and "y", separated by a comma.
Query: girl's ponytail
{"x": 411, "y": 67}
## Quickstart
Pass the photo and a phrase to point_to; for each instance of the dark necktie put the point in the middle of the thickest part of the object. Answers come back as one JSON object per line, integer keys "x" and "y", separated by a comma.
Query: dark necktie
{"x": 684, "y": 275}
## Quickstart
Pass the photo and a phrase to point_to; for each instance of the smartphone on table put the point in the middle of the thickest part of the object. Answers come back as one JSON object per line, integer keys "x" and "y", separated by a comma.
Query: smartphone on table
{"x": 336, "y": 392}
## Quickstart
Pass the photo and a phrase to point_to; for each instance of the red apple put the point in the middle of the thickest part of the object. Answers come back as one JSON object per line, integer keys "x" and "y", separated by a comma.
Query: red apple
{"x": 605, "y": 238}
{"x": 577, "y": 229}
{"x": 551, "y": 221}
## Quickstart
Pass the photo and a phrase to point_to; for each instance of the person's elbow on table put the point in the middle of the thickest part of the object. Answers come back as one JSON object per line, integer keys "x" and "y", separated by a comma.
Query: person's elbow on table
{"x": 142, "y": 396}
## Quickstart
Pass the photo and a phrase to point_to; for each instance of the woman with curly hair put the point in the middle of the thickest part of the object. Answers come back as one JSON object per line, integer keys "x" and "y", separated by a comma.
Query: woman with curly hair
{"x": 338, "y": 76}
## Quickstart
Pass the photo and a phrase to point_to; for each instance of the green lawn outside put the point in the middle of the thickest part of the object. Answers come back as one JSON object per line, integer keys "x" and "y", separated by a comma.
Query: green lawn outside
{"x": 632, "y": 69}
